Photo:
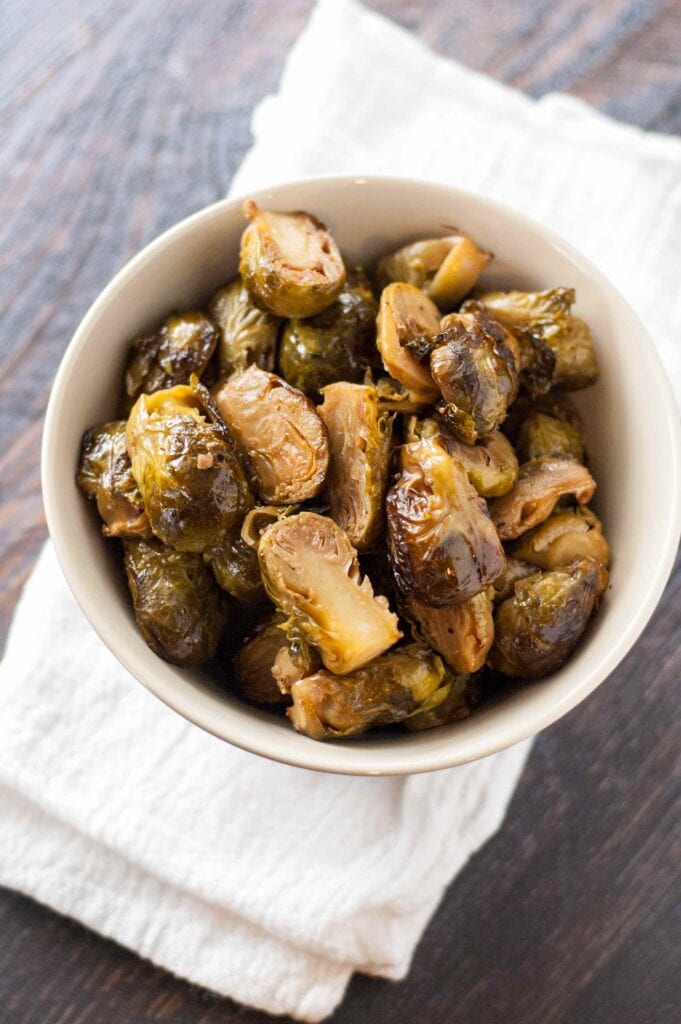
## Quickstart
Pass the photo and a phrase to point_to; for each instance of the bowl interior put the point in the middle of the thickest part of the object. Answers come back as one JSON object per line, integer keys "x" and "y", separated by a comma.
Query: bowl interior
{"x": 629, "y": 416}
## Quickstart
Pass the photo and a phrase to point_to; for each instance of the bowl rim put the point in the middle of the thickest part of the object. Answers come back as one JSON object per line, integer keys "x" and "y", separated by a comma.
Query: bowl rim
{"x": 336, "y": 758}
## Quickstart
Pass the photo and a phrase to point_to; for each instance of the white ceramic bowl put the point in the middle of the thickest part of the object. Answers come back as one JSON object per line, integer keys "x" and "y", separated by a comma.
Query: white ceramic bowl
{"x": 630, "y": 418}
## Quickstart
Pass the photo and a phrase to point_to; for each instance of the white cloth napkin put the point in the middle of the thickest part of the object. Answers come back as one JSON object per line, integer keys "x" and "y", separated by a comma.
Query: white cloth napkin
{"x": 266, "y": 883}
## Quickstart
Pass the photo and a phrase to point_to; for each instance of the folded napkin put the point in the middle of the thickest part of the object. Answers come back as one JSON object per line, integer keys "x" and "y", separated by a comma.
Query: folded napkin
{"x": 267, "y": 883}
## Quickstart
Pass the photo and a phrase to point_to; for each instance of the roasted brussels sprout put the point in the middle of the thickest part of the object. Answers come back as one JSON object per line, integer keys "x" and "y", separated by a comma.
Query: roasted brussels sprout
{"x": 359, "y": 437}
{"x": 474, "y": 362}
{"x": 462, "y": 633}
{"x": 457, "y": 705}
{"x": 536, "y": 361}
{"x": 179, "y": 608}
{"x": 105, "y": 474}
{"x": 532, "y": 499}
{"x": 185, "y": 465}
{"x": 180, "y": 348}
{"x": 236, "y": 569}
{"x": 546, "y": 317}
{"x": 336, "y": 344}
{"x": 555, "y": 404}
{"x": 404, "y": 315}
{"x": 311, "y": 572}
{"x": 247, "y": 334}
{"x": 491, "y": 464}
{"x": 289, "y": 262}
{"x": 394, "y": 397}
{"x": 272, "y": 660}
{"x": 445, "y": 268}
{"x": 564, "y": 536}
{"x": 279, "y": 432}
{"x": 389, "y": 689}
{"x": 443, "y": 546}
{"x": 514, "y": 570}
{"x": 537, "y": 629}
{"x": 544, "y": 437}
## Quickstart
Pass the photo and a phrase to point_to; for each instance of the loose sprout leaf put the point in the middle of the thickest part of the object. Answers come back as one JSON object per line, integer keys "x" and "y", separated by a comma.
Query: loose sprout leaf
{"x": 389, "y": 689}
{"x": 457, "y": 705}
{"x": 185, "y": 465}
{"x": 443, "y": 545}
{"x": 359, "y": 437}
{"x": 179, "y": 608}
{"x": 537, "y": 629}
{"x": 247, "y": 334}
{"x": 289, "y": 262}
{"x": 310, "y": 571}
{"x": 533, "y": 498}
{"x": 279, "y": 433}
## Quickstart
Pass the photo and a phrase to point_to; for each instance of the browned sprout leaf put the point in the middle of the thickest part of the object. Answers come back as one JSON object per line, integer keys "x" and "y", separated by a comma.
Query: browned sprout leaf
{"x": 289, "y": 262}
{"x": 532, "y": 499}
{"x": 278, "y": 431}
{"x": 564, "y": 536}
{"x": 491, "y": 464}
{"x": 538, "y": 628}
{"x": 247, "y": 334}
{"x": 105, "y": 474}
{"x": 443, "y": 545}
{"x": 462, "y": 633}
{"x": 311, "y": 572}
{"x": 179, "y": 608}
{"x": 180, "y": 348}
{"x": 359, "y": 436}
{"x": 474, "y": 362}
{"x": 404, "y": 315}
{"x": 393, "y": 396}
{"x": 446, "y": 269}
{"x": 388, "y": 689}
{"x": 185, "y": 465}
{"x": 542, "y": 436}
{"x": 545, "y": 317}
{"x": 272, "y": 660}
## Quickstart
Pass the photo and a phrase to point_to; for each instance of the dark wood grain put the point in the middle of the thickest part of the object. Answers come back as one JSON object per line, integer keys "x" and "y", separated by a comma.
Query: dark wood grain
{"x": 117, "y": 120}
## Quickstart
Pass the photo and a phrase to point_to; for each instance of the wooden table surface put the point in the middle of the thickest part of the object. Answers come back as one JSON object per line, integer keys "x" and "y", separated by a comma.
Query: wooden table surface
{"x": 120, "y": 118}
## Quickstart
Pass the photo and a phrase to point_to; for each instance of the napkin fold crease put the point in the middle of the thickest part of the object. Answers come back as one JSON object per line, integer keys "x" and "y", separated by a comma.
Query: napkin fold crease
{"x": 267, "y": 883}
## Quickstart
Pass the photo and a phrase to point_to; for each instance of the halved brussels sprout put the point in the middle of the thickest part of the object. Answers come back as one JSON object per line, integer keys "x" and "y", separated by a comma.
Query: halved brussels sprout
{"x": 514, "y": 570}
{"x": 389, "y": 689}
{"x": 235, "y": 567}
{"x": 359, "y": 437}
{"x": 247, "y": 334}
{"x": 457, "y": 705}
{"x": 404, "y": 315}
{"x": 474, "y": 362}
{"x": 272, "y": 660}
{"x": 462, "y": 633}
{"x": 105, "y": 474}
{"x": 289, "y": 262}
{"x": 491, "y": 464}
{"x": 564, "y": 536}
{"x": 185, "y": 465}
{"x": 278, "y": 431}
{"x": 443, "y": 545}
{"x": 181, "y": 347}
{"x": 445, "y": 268}
{"x": 537, "y": 629}
{"x": 179, "y": 607}
{"x": 336, "y": 344}
{"x": 546, "y": 317}
{"x": 310, "y": 571}
{"x": 543, "y": 437}
{"x": 532, "y": 499}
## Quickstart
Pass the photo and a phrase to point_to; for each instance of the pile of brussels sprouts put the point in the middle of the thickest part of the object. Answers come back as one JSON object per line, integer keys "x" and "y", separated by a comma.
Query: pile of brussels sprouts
{"x": 361, "y": 499}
